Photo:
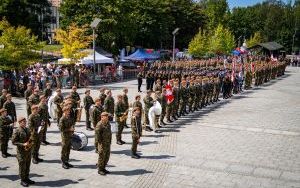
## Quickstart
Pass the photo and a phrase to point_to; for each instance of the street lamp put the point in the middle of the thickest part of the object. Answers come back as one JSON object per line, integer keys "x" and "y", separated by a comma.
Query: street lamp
{"x": 94, "y": 25}
{"x": 174, "y": 34}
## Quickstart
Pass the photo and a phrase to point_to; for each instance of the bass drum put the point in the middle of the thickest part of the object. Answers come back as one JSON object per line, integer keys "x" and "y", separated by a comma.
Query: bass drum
{"x": 79, "y": 141}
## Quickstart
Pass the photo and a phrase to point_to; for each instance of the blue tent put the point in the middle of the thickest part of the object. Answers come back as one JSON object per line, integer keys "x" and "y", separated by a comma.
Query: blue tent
{"x": 141, "y": 55}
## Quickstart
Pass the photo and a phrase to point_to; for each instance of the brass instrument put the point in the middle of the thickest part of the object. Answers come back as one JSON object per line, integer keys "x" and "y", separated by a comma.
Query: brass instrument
{"x": 124, "y": 116}
{"x": 29, "y": 144}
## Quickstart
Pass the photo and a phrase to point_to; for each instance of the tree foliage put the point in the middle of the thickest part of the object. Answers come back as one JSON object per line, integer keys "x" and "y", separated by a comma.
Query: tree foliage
{"x": 27, "y": 13}
{"x": 146, "y": 23}
{"x": 19, "y": 45}
{"x": 199, "y": 46}
{"x": 74, "y": 40}
{"x": 255, "y": 39}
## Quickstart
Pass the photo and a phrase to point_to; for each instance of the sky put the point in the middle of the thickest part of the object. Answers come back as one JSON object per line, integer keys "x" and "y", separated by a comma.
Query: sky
{"x": 244, "y": 3}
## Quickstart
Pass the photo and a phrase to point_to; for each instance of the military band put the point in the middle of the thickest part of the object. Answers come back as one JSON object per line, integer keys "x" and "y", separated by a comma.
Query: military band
{"x": 180, "y": 89}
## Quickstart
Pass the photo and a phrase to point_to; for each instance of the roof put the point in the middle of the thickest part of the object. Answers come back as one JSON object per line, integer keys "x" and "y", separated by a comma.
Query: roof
{"x": 269, "y": 46}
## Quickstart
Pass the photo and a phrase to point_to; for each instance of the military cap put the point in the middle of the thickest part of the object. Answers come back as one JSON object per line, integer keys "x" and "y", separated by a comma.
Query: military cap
{"x": 4, "y": 90}
{"x": 137, "y": 96}
{"x": 36, "y": 90}
{"x": 104, "y": 114}
{"x": 98, "y": 100}
{"x": 8, "y": 95}
{"x": 28, "y": 85}
{"x": 58, "y": 90}
{"x": 2, "y": 110}
{"x": 87, "y": 91}
{"x": 48, "y": 84}
{"x": 20, "y": 119}
{"x": 34, "y": 107}
{"x": 74, "y": 87}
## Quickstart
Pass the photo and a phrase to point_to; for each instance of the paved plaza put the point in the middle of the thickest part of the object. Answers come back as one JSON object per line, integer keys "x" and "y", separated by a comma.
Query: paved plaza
{"x": 251, "y": 140}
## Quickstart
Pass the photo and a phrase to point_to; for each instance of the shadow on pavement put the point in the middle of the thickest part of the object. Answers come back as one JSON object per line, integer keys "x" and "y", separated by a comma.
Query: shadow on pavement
{"x": 88, "y": 148}
{"x": 16, "y": 177}
{"x": 157, "y": 157}
{"x": 56, "y": 183}
{"x": 147, "y": 143}
{"x": 4, "y": 168}
{"x": 131, "y": 172}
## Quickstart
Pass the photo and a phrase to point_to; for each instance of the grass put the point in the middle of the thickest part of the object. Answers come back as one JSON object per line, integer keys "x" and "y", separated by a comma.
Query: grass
{"x": 52, "y": 48}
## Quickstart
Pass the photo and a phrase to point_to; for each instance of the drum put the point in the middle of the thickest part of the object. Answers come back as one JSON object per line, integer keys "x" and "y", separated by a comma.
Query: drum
{"x": 79, "y": 141}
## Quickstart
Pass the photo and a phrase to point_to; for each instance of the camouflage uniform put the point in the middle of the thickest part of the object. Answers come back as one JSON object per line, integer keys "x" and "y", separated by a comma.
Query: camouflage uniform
{"x": 109, "y": 105}
{"x": 148, "y": 101}
{"x": 44, "y": 115}
{"x": 34, "y": 122}
{"x": 103, "y": 132}
{"x": 21, "y": 136}
{"x": 58, "y": 100}
{"x": 11, "y": 110}
{"x": 47, "y": 92}
{"x": 4, "y": 133}
{"x": 163, "y": 102}
{"x": 2, "y": 100}
{"x": 87, "y": 103}
{"x": 65, "y": 123}
{"x": 96, "y": 117}
{"x": 136, "y": 131}
{"x": 120, "y": 109}
{"x": 27, "y": 94}
{"x": 32, "y": 100}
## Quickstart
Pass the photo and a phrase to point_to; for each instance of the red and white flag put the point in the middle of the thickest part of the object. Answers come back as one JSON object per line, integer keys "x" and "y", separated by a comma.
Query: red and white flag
{"x": 169, "y": 94}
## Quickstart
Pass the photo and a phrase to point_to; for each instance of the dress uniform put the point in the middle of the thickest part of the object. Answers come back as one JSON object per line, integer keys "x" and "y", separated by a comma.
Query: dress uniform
{"x": 87, "y": 103}
{"x": 120, "y": 112}
{"x": 136, "y": 131}
{"x": 96, "y": 117}
{"x": 5, "y": 126}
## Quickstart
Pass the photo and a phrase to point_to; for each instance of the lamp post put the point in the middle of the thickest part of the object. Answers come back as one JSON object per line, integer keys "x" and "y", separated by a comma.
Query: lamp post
{"x": 174, "y": 34}
{"x": 94, "y": 25}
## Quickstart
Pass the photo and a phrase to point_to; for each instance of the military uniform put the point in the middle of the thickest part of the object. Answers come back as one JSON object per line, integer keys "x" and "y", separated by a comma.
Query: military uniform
{"x": 87, "y": 102}
{"x": 104, "y": 135}
{"x": 120, "y": 110}
{"x": 136, "y": 131}
{"x": 102, "y": 97}
{"x": 11, "y": 110}
{"x": 27, "y": 94}
{"x": 20, "y": 137}
{"x": 148, "y": 101}
{"x": 109, "y": 105}
{"x": 58, "y": 100}
{"x": 2, "y": 100}
{"x": 32, "y": 100}
{"x": 4, "y": 133}
{"x": 96, "y": 117}
{"x": 34, "y": 122}
{"x": 65, "y": 124}
{"x": 47, "y": 92}
{"x": 76, "y": 100}
{"x": 140, "y": 81}
{"x": 163, "y": 101}
{"x": 44, "y": 115}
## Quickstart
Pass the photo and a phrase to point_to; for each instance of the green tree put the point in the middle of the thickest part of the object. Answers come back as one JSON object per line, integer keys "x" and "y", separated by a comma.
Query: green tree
{"x": 199, "y": 46}
{"x": 27, "y": 13}
{"x": 74, "y": 40}
{"x": 222, "y": 41}
{"x": 255, "y": 39}
{"x": 19, "y": 47}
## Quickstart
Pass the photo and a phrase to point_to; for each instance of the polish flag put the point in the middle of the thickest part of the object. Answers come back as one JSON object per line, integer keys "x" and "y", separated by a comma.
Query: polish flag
{"x": 169, "y": 94}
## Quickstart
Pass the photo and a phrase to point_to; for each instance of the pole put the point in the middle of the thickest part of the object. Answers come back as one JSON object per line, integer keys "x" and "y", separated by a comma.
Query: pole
{"x": 94, "y": 53}
{"x": 173, "y": 61}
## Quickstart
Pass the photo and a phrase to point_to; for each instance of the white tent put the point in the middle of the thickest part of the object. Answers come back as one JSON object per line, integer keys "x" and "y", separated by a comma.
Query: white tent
{"x": 99, "y": 59}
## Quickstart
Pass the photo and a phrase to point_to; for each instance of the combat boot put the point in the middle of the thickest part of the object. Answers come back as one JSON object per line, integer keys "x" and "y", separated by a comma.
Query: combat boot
{"x": 106, "y": 171}
{"x": 24, "y": 183}
{"x": 35, "y": 161}
{"x": 101, "y": 172}
{"x": 29, "y": 181}
{"x": 65, "y": 166}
